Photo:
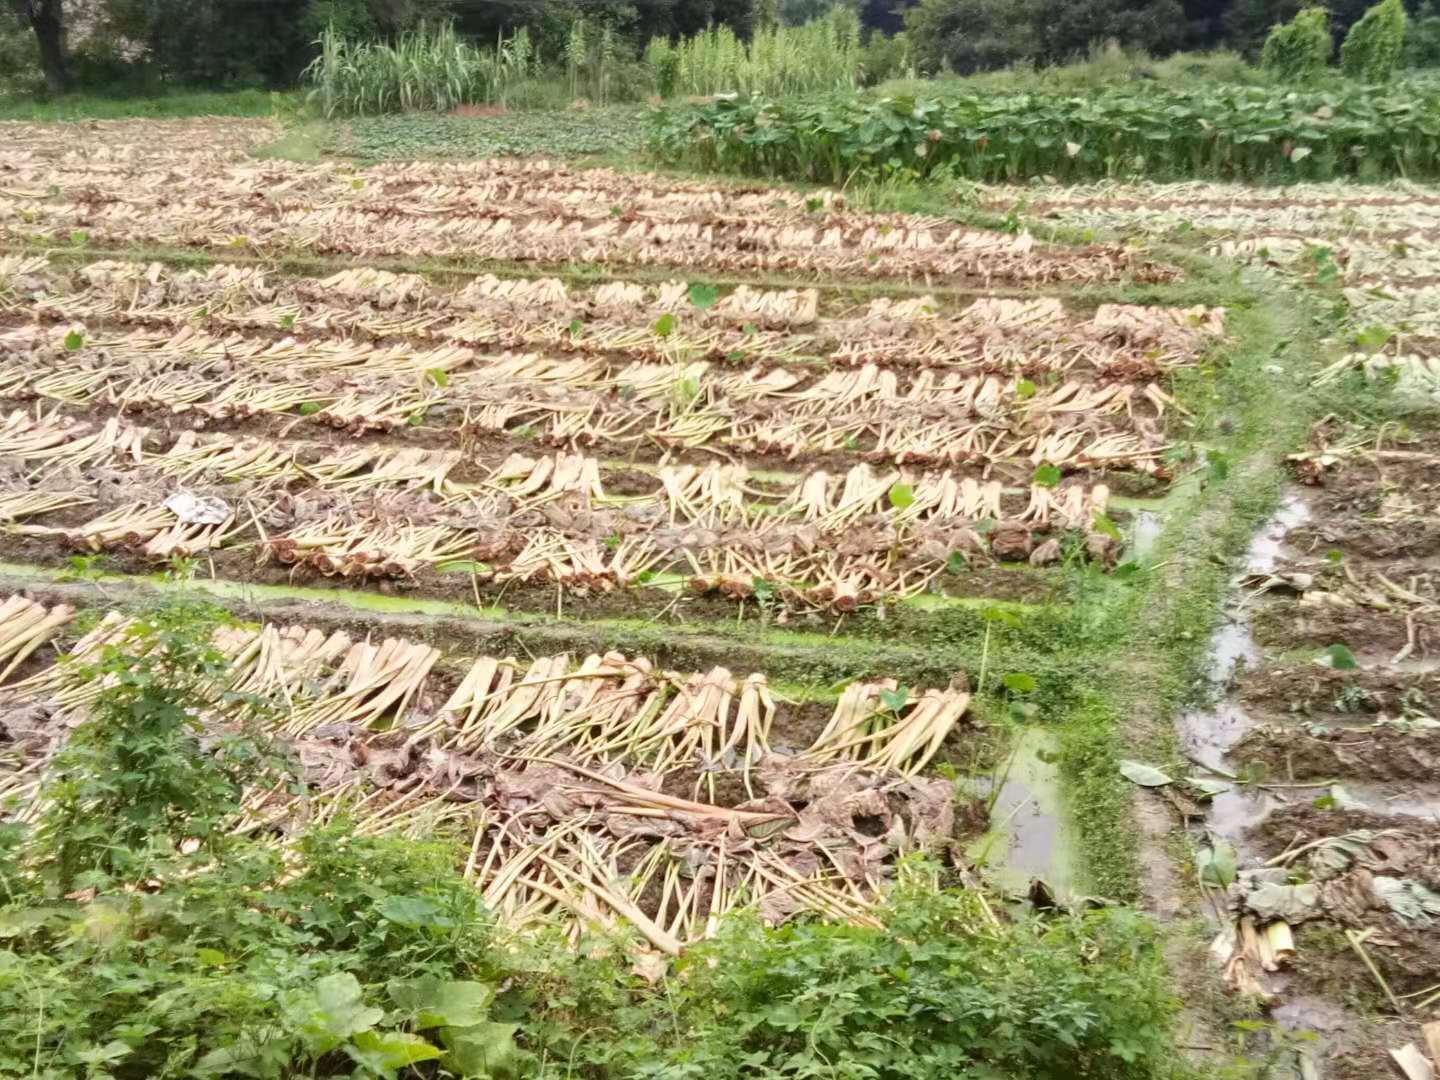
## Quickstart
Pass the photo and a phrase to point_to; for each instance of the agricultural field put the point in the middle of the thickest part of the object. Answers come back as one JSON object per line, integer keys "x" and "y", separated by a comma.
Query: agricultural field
{"x": 677, "y": 552}
{"x": 1308, "y": 786}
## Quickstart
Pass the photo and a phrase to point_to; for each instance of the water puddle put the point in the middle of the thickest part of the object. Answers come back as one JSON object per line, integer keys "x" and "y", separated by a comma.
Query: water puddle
{"x": 1208, "y": 733}
{"x": 1029, "y": 836}
{"x": 1144, "y": 532}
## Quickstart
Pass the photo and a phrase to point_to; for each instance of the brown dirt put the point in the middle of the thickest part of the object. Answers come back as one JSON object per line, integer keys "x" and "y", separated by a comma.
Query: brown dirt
{"x": 1354, "y": 1044}
{"x": 1285, "y": 624}
{"x": 1377, "y": 753}
{"x": 1317, "y": 691}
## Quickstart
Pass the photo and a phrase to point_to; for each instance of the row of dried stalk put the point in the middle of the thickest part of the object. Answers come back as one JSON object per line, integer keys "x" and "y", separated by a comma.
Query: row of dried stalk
{"x": 1030, "y": 335}
{"x": 561, "y": 776}
{"x": 832, "y": 541}
{"x": 659, "y": 408}
{"x": 267, "y": 209}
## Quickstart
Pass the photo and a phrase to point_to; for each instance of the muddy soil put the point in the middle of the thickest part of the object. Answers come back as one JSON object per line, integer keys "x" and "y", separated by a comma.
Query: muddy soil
{"x": 1290, "y": 754}
{"x": 1329, "y": 706}
{"x": 1314, "y": 691}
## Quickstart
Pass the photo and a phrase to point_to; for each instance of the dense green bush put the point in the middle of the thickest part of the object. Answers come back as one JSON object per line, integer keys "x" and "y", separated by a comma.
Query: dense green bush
{"x": 1221, "y": 132}
{"x": 885, "y": 57}
{"x": 136, "y": 779}
{"x": 1300, "y": 49}
{"x": 938, "y": 993}
{"x": 323, "y": 963}
{"x": 1372, "y": 49}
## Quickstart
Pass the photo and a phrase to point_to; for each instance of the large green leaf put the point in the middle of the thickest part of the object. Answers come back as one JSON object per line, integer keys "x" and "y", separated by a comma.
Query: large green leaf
{"x": 703, "y": 296}
{"x": 332, "y": 1012}
{"x": 1144, "y": 775}
{"x": 1217, "y": 864}
{"x": 261, "y": 1054}
{"x": 412, "y": 911}
{"x": 433, "y": 1002}
{"x": 385, "y": 1051}
{"x": 486, "y": 1050}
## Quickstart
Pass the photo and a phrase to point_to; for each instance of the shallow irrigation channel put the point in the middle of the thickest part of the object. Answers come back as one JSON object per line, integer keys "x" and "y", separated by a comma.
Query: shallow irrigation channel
{"x": 1312, "y": 798}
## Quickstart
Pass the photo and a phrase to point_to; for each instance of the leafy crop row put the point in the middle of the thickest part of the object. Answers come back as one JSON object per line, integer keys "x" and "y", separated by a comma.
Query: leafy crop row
{"x": 1226, "y": 132}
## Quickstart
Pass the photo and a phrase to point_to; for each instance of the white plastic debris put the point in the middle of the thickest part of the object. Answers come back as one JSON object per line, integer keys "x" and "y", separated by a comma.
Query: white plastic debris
{"x": 195, "y": 509}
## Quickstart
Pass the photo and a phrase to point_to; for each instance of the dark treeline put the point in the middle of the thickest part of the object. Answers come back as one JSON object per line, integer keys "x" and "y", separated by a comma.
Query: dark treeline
{"x": 153, "y": 43}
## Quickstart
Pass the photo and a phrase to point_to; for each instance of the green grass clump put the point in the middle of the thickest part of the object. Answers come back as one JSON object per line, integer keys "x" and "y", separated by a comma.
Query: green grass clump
{"x": 90, "y": 106}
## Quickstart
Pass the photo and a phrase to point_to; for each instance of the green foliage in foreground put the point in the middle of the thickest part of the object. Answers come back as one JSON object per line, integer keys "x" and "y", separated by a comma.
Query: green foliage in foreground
{"x": 1216, "y": 132}
{"x": 241, "y": 968}
{"x": 228, "y": 954}
{"x": 1373, "y": 47}
{"x": 1300, "y": 49}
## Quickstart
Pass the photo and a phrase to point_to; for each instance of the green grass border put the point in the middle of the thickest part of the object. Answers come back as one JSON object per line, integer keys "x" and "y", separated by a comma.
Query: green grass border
{"x": 1262, "y": 408}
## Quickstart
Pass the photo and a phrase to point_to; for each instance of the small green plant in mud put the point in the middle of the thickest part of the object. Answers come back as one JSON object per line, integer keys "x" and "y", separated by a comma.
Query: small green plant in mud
{"x": 83, "y": 568}
{"x": 181, "y": 569}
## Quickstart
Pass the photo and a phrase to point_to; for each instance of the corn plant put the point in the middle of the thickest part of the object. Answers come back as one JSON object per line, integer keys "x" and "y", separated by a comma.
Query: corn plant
{"x": 576, "y": 53}
{"x": 513, "y": 62}
{"x": 429, "y": 69}
{"x": 604, "y": 62}
{"x": 823, "y": 54}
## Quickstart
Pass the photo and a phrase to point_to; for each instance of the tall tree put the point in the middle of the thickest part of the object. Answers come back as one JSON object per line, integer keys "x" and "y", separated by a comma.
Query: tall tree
{"x": 47, "y": 19}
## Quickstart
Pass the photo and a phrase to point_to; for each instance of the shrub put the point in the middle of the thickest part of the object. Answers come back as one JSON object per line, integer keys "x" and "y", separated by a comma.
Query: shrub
{"x": 663, "y": 60}
{"x": 886, "y": 57}
{"x": 939, "y": 992}
{"x": 137, "y": 778}
{"x": 1373, "y": 47}
{"x": 1300, "y": 49}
